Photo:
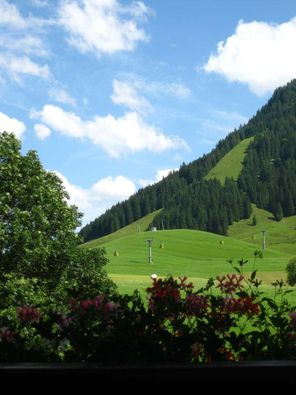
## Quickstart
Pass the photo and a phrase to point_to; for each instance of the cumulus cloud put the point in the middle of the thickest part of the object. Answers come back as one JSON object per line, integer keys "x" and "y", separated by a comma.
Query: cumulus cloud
{"x": 102, "y": 26}
{"x": 16, "y": 66}
{"x": 117, "y": 136}
{"x": 61, "y": 96}
{"x": 156, "y": 88}
{"x": 27, "y": 44}
{"x": 10, "y": 16}
{"x": 124, "y": 93}
{"x": 160, "y": 174}
{"x": 20, "y": 42}
{"x": 11, "y": 125}
{"x": 131, "y": 91}
{"x": 42, "y": 131}
{"x": 261, "y": 55}
{"x": 99, "y": 197}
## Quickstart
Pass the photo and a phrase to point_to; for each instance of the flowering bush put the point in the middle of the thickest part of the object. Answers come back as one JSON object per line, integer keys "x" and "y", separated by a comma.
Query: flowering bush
{"x": 229, "y": 319}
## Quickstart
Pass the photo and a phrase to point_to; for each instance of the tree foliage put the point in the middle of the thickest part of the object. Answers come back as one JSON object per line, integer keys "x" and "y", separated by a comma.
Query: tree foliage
{"x": 37, "y": 226}
{"x": 38, "y": 242}
{"x": 291, "y": 272}
{"x": 85, "y": 276}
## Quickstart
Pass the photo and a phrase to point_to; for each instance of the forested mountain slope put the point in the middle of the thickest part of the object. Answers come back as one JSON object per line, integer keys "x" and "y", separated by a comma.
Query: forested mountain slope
{"x": 190, "y": 200}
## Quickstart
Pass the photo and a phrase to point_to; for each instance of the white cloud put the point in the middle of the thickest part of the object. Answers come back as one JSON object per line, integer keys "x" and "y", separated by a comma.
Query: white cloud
{"x": 42, "y": 131}
{"x": 20, "y": 65}
{"x": 61, "y": 96}
{"x": 178, "y": 90}
{"x": 102, "y": 26}
{"x": 99, "y": 197}
{"x": 261, "y": 55}
{"x": 40, "y": 3}
{"x": 10, "y": 16}
{"x": 21, "y": 42}
{"x": 11, "y": 125}
{"x": 130, "y": 93}
{"x": 125, "y": 94}
{"x": 27, "y": 44}
{"x": 156, "y": 88}
{"x": 117, "y": 136}
{"x": 160, "y": 174}
{"x": 138, "y": 9}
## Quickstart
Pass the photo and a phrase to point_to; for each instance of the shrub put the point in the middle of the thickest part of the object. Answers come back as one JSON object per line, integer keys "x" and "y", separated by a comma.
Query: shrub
{"x": 16, "y": 290}
{"x": 229, "y": 319}
{"x": 291, "y": 272}
{"x": 84, "y": 276}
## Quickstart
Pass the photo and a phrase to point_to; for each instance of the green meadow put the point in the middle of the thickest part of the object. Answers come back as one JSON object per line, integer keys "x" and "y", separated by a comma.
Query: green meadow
{"x": 279, "y": 236}
{"x": 135, "y": 227}
{"x": 195, "y": 254}
{"x": 201, "y": 255}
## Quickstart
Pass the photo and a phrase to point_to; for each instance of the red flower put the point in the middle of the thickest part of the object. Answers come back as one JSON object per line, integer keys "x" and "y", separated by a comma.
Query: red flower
{"x": 110, "y": 307}
{"x": 230, "y": 283}
{"x": 6, "y": 334}
{"x": 183, "y": 284}
{"x": 85, "y": 304}
{"x": 244, "y": 305}
{"x": 196, "y": 304}
{"x": 165, "y": 290}
{"x": 98, "y": 301}
{"x": 28, "y": 315}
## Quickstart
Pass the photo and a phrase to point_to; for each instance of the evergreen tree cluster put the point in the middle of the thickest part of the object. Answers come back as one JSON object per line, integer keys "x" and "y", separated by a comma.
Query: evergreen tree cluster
{"x": 268, "y": 179}
{"x": 187, "y": 202}
{"x": 269, "y": 172}
{"x": 205, "y": 205}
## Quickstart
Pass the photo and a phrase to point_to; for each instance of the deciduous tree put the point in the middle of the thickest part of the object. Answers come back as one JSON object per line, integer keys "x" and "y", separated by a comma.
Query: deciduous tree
{"x": 37, "y": 224}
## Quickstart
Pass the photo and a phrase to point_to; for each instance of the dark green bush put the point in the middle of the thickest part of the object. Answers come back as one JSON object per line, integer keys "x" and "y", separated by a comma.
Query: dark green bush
{"x": 291, "y": 272}
{"x": 229, "y": 319}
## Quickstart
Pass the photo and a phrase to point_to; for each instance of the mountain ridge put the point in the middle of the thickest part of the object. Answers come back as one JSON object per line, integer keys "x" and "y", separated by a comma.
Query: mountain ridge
{"x": 188, "y": 200}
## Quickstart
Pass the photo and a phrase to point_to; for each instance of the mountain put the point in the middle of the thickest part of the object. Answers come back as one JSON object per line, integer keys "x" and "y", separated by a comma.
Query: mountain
{"x": 253, "y": 164}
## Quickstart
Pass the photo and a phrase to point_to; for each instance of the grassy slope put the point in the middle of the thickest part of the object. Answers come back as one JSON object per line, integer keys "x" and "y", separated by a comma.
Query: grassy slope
{"x": 231, "y": 164}
{"x": 279, "y": 235}
{"x": 198, "y": 255}
{"x": 133, "y": 228}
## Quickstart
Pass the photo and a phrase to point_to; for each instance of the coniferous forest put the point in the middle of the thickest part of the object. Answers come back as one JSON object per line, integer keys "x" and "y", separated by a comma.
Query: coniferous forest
{"x": 268, "y": 179}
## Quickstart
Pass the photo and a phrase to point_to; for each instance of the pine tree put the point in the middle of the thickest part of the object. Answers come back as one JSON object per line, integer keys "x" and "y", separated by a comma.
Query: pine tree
{"x": 279, "y": 212}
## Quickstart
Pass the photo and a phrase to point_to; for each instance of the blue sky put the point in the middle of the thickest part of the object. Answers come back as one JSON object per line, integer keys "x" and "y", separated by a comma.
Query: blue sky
{"x": 114, "y": 94}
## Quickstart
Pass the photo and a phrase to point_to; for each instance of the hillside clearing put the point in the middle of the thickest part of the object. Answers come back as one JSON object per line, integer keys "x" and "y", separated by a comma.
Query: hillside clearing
{"x": 231, "y": 164}
{"x": 138, "y": 226}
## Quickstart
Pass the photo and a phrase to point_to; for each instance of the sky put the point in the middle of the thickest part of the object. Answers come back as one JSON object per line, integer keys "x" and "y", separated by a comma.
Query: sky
{"x": 115, "y": 94}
